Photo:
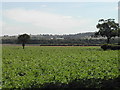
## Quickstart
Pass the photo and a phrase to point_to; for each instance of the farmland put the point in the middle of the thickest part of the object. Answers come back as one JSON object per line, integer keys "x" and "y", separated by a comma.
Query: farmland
{"x": 42, "y": 66}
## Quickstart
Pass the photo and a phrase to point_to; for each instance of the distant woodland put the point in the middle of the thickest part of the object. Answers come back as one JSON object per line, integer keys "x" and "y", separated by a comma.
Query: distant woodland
{"x": 63, "y": 40}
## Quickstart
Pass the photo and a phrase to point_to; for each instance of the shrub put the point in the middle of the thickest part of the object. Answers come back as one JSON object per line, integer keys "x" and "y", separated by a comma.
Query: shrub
{"x": 112, "y": 47}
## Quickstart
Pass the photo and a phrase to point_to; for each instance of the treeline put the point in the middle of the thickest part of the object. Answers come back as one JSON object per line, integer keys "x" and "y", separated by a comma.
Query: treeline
{"x": 69, "y": 42}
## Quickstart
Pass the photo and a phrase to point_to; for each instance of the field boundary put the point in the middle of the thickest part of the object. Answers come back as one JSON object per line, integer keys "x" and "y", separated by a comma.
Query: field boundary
{"x": 51, "y": 45}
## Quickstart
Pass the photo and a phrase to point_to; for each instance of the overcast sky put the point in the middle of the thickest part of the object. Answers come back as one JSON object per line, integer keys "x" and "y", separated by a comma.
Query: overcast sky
{"x": 54, "y": 17}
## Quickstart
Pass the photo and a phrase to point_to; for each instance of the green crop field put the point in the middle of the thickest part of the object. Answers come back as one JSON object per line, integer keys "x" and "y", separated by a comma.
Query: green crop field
{"x": 42, "y": 66}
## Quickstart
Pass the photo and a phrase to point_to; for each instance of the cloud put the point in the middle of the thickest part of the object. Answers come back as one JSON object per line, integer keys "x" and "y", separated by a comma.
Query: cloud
{"x": 43, "y": 5}
{"x": 47, "y": 21}
{"x": 67, "y": 17}
{"x": 60, "y": 0}
{"x": 1, "y": 27}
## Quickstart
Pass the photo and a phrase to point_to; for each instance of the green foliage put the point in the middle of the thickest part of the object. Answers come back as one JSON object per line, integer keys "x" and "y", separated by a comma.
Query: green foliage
{"x": 110, "y": 46}
{"x": 107, "y": 28}
{"x": 37, "y": 65}
{"x": 23, "y": 39}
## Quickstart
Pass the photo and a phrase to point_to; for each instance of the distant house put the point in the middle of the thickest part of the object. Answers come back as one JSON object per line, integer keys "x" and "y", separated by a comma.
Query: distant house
{"x": 57, "y": 38}
{"x": 51, "y": 38}
{"x": 60, "y": 38}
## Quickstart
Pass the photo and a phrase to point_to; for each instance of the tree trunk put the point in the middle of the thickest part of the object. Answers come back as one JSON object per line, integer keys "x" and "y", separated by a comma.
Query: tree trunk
{"x": 108, "y": 40}
{"x": 23, "y": 44}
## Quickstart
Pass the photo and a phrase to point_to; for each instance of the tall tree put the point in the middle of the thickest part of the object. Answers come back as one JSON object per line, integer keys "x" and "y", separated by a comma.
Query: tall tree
{"x": 107, "y": 28}
{"x": 23, "y": 39}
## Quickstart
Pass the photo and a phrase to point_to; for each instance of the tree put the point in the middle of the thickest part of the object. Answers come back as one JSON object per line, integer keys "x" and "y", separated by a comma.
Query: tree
{"x": 23, "y": 39}
{"x": 119, "y": 32}
{"x": 107, "y": 28}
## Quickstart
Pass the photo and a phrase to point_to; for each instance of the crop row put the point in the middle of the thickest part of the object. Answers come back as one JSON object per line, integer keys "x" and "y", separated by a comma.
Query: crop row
{"x": 35, "y": 66}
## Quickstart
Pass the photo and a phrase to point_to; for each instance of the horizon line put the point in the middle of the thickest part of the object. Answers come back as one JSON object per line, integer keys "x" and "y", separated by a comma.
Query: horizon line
{"x": 47, "y": 34}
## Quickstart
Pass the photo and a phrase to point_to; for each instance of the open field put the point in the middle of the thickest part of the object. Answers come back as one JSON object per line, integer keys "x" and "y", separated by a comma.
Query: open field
{"x": 40, "y": 67}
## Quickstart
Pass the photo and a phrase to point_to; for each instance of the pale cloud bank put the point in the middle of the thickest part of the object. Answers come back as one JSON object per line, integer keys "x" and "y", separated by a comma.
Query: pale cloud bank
{"x": 43, "y": 5}
{"x": 1, "y": 23}
{"x": 60, "y": 0}
{"x": 42, "y": 21}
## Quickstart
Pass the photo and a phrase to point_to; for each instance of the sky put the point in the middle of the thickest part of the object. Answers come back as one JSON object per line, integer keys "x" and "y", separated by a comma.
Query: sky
{"x": 119, "y": 13}
{"x": 54, "y": 17}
